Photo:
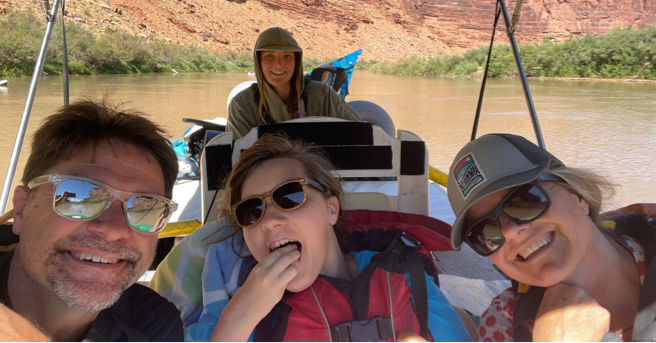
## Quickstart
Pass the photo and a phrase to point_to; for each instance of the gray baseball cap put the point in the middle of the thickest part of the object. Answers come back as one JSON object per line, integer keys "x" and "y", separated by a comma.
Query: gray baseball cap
{"x": 489, "y": 164}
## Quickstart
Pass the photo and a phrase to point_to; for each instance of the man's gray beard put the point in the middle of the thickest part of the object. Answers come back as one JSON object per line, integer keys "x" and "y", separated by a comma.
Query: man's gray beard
{"x": 84, "y": 298}
{"x": 98, "y": 295}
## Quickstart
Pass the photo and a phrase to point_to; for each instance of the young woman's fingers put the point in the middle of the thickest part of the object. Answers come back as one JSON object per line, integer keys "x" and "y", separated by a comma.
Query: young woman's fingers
{"x": 275, "y": 278}
{"x": 290, "y": 273}
{"x": 268, "y": 271}
{"x": 275, "y": 255}
{"x": 283, "y": 262}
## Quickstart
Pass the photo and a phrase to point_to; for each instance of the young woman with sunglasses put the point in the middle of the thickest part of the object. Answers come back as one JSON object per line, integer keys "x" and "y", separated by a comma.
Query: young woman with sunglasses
{"x": 285, "y": 201}
{"x": 281, "y": 93}
{"x": 537, "y": 220}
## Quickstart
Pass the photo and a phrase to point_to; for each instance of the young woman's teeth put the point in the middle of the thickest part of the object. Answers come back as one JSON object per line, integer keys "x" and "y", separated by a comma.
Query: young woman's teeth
{"x": 278, "y": 72}
{"x": 536, "y": 245}
{"x": 94, "y": 258}
{"x": 282, "y": 243}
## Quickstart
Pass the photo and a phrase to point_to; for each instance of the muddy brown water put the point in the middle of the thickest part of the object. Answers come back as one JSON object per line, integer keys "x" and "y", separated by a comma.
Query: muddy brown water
{"x": 604, "y": 126}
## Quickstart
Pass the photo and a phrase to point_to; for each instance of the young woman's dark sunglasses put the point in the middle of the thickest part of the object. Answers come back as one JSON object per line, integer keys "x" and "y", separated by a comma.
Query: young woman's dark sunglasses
{"x": 287, "y": 196}
{"x": 524, "y": 204}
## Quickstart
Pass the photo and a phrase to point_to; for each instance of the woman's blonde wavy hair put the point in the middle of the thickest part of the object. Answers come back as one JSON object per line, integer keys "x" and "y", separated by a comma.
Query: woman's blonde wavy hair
{"x": 592, "y": 187}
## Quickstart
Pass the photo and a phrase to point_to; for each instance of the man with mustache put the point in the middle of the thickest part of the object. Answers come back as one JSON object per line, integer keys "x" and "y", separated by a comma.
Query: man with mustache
{"x": 95, "y": 192}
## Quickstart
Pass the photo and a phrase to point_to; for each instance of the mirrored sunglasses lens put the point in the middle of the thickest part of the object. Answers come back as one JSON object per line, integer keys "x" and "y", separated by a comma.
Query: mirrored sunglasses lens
{"x": 249, "y": 212}
{"x": 485, "y": 236}
{"x": 526, "y": 203}
{"x": 289, "y": 196}
{"x": 78, "y": 199}
{"x": 147, "y": 214}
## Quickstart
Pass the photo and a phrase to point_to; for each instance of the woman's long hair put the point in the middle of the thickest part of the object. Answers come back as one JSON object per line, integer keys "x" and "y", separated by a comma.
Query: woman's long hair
{"x": 590, "y": 186}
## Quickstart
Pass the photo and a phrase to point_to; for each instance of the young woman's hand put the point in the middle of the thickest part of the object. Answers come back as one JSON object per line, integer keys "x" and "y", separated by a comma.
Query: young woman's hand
{"x": 266, "y": 284}
{"x": 262, "y": 290}
{"x": 568, "y": 314}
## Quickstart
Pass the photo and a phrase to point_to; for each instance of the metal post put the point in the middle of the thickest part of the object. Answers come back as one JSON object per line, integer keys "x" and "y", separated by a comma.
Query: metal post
{"x": 516, "y": 15}
{"x": 481, "y": 95}
{"x": 520, "y": 68}
{"x": 11, "y": 170}
{"x": 65, "y": 52}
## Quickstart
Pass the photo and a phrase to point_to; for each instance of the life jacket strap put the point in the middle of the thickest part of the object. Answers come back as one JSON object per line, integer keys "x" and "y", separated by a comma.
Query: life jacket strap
{"x": 378, "y": 329}
{"x": 645, "y": 323}
{"x": 417, "y": 281}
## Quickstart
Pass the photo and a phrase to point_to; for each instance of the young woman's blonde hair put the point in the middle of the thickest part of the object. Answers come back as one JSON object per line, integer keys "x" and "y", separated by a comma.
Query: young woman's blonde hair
{"x": 592, "y": 187}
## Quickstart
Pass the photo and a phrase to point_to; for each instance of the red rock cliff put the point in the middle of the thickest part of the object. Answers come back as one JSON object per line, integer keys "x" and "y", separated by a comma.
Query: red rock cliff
{"x": 384, "y": 29}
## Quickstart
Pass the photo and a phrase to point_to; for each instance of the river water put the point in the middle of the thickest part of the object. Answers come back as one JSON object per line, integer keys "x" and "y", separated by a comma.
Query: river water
{"x": 609, "y": 127}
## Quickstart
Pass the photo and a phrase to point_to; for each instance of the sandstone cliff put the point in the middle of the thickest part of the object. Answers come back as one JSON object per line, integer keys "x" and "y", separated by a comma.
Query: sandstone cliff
{"x": 384, "y": 29}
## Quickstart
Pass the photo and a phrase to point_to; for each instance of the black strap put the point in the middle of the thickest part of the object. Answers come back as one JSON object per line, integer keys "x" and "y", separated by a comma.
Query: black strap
{"x": 378, "y": 329}
{"x": 419, "y": 288}
{"x": 647, "y": 306}
{"x": 527, "y": 306}
{"x": 497, "y": 10}
{"x": 273, "y": 327}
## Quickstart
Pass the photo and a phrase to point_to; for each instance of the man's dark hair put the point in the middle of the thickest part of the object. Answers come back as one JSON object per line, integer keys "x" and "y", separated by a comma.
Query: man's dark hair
{"x": 87, "y": 123}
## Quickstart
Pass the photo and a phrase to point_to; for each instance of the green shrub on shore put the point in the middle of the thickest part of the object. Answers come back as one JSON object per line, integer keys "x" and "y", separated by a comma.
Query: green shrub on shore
{"x": 111, "y": 53}
{"x": 19, "y": 45}
{"x": 621, "y": 53}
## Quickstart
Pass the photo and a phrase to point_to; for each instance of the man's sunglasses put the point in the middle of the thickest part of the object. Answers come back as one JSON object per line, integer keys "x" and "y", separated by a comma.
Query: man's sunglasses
{"x": 79, "y": 198}
{"x": 287, "y": 196}
{"x": 525, "y": 204}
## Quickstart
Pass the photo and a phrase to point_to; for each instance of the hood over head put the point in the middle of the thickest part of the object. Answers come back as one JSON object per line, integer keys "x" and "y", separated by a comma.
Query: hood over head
{"x": 277, "y": 39}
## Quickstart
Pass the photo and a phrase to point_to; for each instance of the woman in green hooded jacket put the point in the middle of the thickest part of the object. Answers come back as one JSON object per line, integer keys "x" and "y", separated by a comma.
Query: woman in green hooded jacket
{"x": 281, "y": 93}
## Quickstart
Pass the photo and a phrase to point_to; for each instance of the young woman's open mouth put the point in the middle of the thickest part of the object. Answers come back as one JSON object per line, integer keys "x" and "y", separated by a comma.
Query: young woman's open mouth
{"x": 285, "y": 242}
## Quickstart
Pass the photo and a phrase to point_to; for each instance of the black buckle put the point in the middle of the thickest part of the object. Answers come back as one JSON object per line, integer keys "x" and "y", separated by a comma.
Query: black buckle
{"x": 378, "y": 329}
{"x": 410, "y": 241}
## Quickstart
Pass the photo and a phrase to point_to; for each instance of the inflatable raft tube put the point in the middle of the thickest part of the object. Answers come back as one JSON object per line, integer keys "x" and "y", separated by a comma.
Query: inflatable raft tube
{"x": 437, "y": 176}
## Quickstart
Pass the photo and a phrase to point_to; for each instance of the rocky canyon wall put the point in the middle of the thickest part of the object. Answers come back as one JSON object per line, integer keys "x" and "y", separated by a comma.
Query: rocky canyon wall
{"x": 384, "y": 29}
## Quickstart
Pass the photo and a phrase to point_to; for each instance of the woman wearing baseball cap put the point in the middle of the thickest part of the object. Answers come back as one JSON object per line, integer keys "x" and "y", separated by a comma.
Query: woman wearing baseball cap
{"x": 281, "y": 93}
{"x": 538, "y": 220}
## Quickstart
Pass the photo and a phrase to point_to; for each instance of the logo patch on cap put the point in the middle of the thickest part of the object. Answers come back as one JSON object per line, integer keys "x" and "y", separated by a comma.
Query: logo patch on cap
{"x": 468, "y": 174}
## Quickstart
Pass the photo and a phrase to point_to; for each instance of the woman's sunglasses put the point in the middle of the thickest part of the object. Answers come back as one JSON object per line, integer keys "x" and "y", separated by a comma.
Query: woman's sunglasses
{"x": 287, "y": 196}
{"x": 525, "y": 204}
{"x": 79, "y": 198}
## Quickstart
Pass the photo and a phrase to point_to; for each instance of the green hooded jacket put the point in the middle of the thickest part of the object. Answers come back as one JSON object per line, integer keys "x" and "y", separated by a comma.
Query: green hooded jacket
{"x": 317, "y": 99}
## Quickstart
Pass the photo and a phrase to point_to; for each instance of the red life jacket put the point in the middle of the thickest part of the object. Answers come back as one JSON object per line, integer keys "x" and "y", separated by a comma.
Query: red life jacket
{"x": 379, "y": 304}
